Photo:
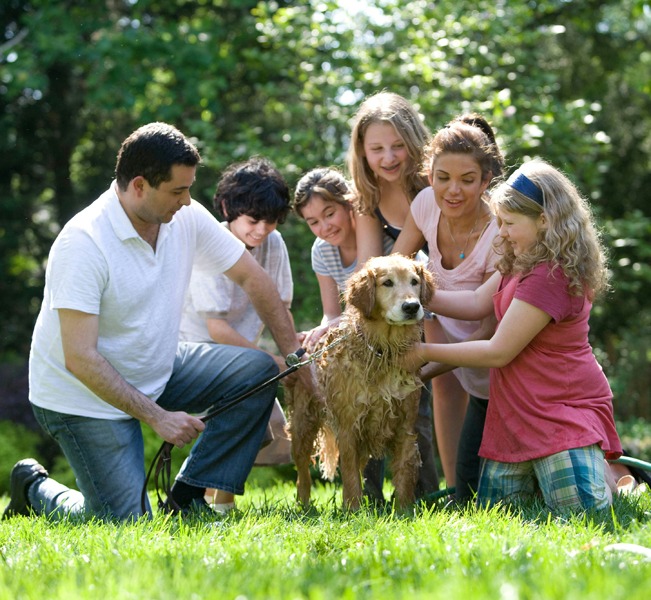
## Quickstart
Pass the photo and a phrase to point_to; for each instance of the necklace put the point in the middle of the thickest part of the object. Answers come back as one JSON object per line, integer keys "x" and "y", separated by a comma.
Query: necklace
{"x": 462, "y": 254}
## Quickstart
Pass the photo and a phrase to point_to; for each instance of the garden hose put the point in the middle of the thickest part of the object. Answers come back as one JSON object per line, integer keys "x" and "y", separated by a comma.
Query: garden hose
{"x": 444, "y": 493}
{"x": 632, "y": 462}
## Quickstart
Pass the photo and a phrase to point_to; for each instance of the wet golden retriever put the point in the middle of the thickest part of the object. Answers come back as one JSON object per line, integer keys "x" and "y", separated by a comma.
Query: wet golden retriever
{"x": 367, "y": 403}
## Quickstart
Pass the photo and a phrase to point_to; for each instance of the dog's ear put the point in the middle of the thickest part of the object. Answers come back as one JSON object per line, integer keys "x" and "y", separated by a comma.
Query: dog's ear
{"x": 360, "y": 291}
{"x": 427, "y": 284}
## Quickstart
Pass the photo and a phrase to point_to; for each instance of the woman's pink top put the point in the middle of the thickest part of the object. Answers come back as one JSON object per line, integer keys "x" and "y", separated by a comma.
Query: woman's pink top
{"x": 554, "y": 395}
{"x": 468, "y": 275}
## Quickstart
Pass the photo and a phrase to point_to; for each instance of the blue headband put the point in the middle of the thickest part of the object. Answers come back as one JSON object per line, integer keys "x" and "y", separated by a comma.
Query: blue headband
{"x": 520, "y": 182}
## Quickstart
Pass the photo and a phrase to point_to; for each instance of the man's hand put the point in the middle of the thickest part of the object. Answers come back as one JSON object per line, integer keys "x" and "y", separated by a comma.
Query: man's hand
{"x": 306, "y": 379}
{"x": 178, "y": 428}
{"x": 79, "y": 334}
{"x": 261, "y": 290}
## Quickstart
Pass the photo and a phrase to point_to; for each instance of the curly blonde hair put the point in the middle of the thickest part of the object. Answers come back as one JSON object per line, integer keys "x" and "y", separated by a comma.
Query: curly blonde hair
{"x": 386, "y": 107}
{"x": 571, "y": 240}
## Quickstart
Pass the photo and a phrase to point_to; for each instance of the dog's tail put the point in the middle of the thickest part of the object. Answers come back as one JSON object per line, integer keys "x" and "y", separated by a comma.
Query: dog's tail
{"x": 328, "y": 453}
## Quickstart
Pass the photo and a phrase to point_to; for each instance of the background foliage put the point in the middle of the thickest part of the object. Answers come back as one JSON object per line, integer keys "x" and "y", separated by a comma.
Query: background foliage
{"x": 569, "y": 80}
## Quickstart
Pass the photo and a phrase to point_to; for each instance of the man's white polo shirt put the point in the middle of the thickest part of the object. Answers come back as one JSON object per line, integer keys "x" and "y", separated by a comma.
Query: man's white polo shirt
{"x": 100, "y": 265}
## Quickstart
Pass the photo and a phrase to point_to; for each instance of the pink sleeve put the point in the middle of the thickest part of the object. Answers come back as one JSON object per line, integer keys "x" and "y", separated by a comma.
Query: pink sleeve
{"x": 488, "y": 249}
{"x": 547, "y": 291}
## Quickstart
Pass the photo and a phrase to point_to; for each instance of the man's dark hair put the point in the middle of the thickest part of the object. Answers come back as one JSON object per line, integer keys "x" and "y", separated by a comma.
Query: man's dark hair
{"x": 254, "y": 188}
{"x": 151, "y": 151}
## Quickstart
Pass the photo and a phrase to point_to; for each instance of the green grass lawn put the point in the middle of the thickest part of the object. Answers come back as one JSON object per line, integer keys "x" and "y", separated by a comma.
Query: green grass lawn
{"x": 269, "y": 549}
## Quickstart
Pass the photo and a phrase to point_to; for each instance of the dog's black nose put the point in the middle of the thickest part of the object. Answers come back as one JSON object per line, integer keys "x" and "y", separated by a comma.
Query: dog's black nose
{"x": 410, "y": 307}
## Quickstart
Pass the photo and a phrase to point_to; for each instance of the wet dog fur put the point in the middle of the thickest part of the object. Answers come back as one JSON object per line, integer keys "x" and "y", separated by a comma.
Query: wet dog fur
{"x": 367, "y": 404}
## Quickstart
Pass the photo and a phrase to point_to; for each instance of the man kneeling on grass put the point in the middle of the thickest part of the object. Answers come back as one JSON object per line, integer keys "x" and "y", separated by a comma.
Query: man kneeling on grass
{"x": 105, "y": 354}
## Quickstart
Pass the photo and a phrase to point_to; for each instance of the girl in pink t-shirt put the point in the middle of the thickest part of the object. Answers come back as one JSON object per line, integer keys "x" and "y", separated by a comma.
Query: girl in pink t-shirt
{"x": 550, "y": 420}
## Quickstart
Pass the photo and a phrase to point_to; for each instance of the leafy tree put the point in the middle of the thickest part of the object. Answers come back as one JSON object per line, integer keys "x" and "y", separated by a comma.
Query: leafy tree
{"x": 568, "y": 80}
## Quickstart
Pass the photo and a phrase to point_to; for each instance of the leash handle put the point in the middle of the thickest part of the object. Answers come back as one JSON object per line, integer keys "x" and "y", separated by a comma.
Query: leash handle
{"x": 161, "y": 468}
{"x": 294, "y": 358}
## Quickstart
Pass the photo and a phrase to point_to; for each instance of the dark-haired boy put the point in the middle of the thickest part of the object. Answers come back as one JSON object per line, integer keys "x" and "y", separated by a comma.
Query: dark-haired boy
{"x": 253, "y": 198}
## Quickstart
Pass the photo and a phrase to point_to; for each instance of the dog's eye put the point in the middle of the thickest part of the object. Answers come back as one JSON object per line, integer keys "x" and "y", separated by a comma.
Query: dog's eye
{"x": 387, "y": 283}
{"x": 415, "y": 281}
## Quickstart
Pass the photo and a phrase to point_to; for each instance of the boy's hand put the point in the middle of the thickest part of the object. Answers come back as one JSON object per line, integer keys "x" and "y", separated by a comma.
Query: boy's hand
{"x": 310, "y": 338}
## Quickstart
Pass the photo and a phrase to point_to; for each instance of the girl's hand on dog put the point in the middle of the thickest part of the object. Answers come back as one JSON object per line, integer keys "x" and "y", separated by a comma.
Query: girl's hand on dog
{"x": 309, "y": 339}
{"x": 413, "y": 360}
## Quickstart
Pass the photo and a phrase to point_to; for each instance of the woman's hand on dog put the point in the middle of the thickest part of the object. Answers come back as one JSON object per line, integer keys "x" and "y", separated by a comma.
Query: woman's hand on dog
{"x": 433, "y": 369}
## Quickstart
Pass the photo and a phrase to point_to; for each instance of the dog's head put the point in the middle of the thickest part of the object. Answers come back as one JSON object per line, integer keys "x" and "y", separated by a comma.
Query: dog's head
{"x": 391, "y": 288}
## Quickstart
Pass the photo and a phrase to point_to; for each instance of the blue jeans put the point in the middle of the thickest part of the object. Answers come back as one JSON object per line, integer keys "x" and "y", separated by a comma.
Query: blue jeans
{"x": 107, "y": 456}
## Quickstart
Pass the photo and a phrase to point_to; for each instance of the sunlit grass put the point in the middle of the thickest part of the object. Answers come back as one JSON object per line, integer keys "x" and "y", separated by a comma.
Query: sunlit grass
{"x": 271, "y": 549}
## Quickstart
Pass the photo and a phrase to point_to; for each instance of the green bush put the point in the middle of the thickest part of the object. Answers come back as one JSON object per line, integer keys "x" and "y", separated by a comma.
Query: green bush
{"x": 636, "y": 438}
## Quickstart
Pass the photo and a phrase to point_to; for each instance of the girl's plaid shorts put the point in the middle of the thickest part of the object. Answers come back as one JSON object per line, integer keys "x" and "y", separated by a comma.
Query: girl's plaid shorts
{"x": 570, "y": 479}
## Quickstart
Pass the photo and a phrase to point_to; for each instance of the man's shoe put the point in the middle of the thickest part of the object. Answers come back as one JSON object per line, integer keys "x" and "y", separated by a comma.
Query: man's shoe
{"x": 24, "y": 473}
{"x": 198, "y": 508}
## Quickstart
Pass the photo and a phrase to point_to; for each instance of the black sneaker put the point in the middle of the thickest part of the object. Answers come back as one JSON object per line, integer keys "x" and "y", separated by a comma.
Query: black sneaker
{"x": 197, "y": 508}
{"x": 24, "y": 473}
